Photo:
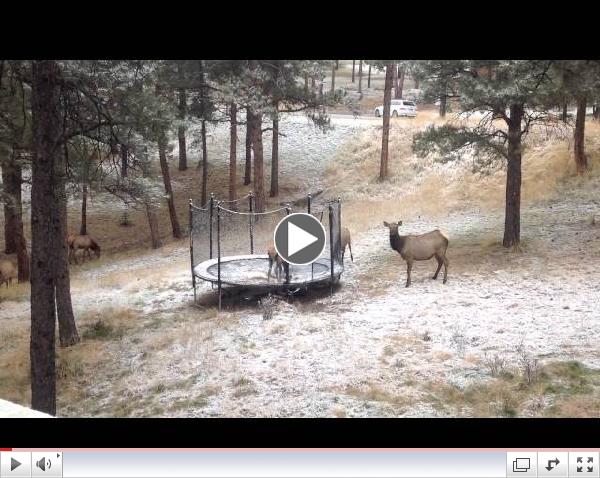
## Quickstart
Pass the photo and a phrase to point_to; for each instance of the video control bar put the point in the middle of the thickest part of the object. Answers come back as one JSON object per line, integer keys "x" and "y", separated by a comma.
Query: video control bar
{"x": 298, "y": 463}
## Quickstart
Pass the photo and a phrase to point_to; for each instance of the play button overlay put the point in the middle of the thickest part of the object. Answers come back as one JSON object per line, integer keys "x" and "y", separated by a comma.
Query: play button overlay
{"x": 299, "y": 238}
{"x": 14, "y": 464}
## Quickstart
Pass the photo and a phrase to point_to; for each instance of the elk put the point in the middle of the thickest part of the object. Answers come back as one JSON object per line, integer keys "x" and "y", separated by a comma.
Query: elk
{"x": 277, "y": 260}
{"x": 419, "y": 248}
{"x": 8, "y": 272}
{"x": 346, "y": 241}
{"x": 85, "y": 242}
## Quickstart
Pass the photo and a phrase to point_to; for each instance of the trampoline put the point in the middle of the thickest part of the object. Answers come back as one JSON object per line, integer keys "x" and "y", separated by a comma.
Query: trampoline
{"x": 229, "y": 241}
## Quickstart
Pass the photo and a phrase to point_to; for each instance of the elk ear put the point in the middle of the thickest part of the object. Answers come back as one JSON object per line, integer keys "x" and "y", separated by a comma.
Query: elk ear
{"x": 386, "y": 224}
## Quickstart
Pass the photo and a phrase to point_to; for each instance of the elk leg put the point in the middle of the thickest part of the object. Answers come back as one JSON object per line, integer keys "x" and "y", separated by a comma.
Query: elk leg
{"x": 351, "y": 256}
{"x": 440, "y": 262}
{"x": 408, "y": 269}
{"x": 445, "y": 269}
{"x": 269, "y": 273}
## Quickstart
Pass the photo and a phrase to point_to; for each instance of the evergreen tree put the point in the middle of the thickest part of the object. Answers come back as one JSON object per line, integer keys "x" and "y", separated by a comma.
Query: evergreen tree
{"x": 438, "y": 81}
{"x": 514, "y": 98}
{"x": 578, "y": 81}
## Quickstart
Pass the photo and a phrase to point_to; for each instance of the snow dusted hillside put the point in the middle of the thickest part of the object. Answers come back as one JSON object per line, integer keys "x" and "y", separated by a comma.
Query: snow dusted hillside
{"x": 374, "y": 348}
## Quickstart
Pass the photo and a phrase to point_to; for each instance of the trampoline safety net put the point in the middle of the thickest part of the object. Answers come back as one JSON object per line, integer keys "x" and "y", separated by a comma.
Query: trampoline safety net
{"x": 230, "y": 247}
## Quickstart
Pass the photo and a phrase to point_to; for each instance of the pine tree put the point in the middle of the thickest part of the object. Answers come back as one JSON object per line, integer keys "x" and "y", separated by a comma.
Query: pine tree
{"x": 578, "y": 81}
{"x": 437, "y": 79}
{"x": 516, "y": 94}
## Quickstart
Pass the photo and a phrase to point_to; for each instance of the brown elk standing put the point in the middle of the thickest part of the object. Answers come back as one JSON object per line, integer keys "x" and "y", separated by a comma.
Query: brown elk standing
{"x": 346, "y": 241}
{"x": 277, "y": 260}
{"x": 8, "y": 272}
{"x": 85, "y": 242}
{"x": 419, "y": 248}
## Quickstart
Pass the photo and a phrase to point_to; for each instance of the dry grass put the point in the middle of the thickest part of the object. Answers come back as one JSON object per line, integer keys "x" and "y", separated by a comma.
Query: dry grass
{"x": 15, "y": 292}
{"x": 562, "y": 389}
{"x": 376, "y": 393}
{"x": 422, "y": 187}
{"x": 242, "y": 387}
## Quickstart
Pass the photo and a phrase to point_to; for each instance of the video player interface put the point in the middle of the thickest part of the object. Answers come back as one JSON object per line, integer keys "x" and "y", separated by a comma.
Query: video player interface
{"x": 299, "y": 463}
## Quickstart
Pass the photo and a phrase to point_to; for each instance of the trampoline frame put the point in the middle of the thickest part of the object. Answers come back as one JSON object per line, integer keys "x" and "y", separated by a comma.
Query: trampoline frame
{"x": 215, "y": 207}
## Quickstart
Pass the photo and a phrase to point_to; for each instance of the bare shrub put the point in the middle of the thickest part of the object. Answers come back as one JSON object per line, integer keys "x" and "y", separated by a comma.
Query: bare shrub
{"x": 528, "y": 365}
{"x": 495, "y": 365}
{"x": 268, "y": 306}
{"x": 458, "y": 340}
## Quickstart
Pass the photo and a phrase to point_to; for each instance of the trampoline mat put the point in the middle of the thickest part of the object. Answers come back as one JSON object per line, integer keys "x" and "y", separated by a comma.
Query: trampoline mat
{"x": 251, "y": 270}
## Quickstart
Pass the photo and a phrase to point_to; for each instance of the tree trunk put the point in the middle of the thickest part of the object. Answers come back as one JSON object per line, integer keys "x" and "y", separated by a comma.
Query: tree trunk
{"x": 204, "y": 192}
{"x": 21, "y": 242}
{"x": 164, "y": 167}
{"x": 248, "y": 165}
{"x": 181, "y": 128}
{"x": 182, "y": 149}
{"x": 151, "y": 209}
{"x": 12, "y": 178}
{"x": 306, "y": 84}
{"x": 232, "y": 152}
{"x": 204, "y": 197}
{"x": 512, "y": 220}
{"x": 45, "y": 232}
{"x": 23, "y": 265}
{"x": 333, "y": 79}
{"x": 443, "y": 101}
{"x": 337, "y": 64}
{"x": 596, "y": 112}
{"x": 83, "y": 228}
{"x": 416, "y": 80}
{"x": 353, "y": 66}
{"x": 67, "y": 329}
{"x": 401, "y": 82}
{"x": 124, "y": 155}
{"x": 275, "y": 155}
{"x": 257, "y": 147}
{"x": 10, "y": 220}
{"x": 369, "y": 78}
{"x": 360, "y": 76}
{"x": 579, "y": 136}
{"x": 564, "y": 113}
{"x": 395, "y": 82}
{"x": 153, "y": 224}
{"x": 387, "y": 98}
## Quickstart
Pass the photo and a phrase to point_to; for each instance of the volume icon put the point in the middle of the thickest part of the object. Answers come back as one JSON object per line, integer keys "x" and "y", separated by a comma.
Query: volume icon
{"x": 43, "y": 464}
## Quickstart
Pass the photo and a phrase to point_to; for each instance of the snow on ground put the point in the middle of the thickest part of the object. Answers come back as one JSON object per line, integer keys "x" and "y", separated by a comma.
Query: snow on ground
{"x": 373, "y": 347}
{"x": 371, "y": 331}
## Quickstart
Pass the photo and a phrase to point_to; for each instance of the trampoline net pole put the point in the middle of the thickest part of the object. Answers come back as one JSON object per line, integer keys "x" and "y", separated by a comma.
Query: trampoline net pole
{"x": 192, "y": 248}
{"x": 251, "y": 221}
{"x": 339, "y": 218}
{"x": 331, "y": 247}
{"x": 210, "y": 230}
{"x": 219, "y": 252}
{"x": 286, "y": 265}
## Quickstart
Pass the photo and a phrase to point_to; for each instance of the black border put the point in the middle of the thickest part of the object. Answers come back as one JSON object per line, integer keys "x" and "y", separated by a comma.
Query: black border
{"x": 300, "y": 433}
{"x": 243, "y": 31}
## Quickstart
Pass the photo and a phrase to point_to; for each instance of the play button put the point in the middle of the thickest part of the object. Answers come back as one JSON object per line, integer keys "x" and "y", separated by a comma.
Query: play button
{"x": 14, "y": 464}
{"x": 299, "y": 238}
